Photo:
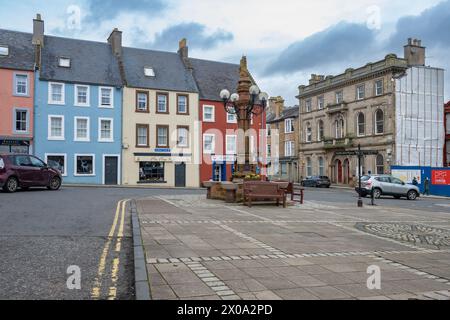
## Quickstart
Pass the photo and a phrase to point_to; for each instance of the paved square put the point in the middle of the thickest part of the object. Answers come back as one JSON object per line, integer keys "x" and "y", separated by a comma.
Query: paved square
{"x": 206, "y": 249}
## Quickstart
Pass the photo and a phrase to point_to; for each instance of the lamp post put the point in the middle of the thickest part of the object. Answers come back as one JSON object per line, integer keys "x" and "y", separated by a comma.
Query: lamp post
{"x": 243, "y": 105}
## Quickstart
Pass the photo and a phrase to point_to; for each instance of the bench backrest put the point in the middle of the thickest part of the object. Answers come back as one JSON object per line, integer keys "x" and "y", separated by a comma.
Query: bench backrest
{"x": 261, "y": 188}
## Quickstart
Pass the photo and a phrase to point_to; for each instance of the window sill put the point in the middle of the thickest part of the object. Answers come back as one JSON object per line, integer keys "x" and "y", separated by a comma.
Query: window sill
{"x": 82, "y": 105}
{"x": 106, "y": 141}
{"x": 56, "y": 139}
{"x": 57, "y": 103}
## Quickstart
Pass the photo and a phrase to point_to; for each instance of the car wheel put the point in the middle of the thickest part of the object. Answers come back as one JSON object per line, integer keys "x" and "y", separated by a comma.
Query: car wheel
{"x": 55, "y": 184}
{"x": 11, "y": 185}
{"x": 412, "y": 195}
{"x": 377, "y": 193}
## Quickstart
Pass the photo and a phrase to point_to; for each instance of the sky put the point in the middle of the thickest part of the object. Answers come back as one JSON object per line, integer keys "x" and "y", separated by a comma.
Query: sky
{"x": 285, "y": 41}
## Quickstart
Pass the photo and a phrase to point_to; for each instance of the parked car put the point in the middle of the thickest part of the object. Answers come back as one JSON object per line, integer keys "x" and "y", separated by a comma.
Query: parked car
{"x": 25, "y": 171}
{"x": 387, "y": 185}
{"x": 316, "y": 181}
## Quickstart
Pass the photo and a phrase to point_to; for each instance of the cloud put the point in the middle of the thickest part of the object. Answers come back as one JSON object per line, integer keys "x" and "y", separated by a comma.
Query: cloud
{"x": 342, "y": 42}
{"x": 109, "y": 9}
{"x": 194, "y": 32}
{"x": 432, "y": 26}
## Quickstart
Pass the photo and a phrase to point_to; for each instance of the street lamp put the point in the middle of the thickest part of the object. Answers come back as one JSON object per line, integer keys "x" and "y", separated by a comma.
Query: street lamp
{"x": 232, "y": 105}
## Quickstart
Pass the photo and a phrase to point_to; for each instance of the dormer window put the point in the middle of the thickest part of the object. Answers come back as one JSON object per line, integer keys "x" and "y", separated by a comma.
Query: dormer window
{"x": 149, "y": 72}
{"x": 64, "y": 62}
{"x": 4, "y": 51}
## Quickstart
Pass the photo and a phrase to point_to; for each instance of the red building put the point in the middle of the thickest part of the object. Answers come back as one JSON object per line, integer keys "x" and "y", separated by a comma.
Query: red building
{"x": 447, "y": 135}
{"x": 219, "y": 128}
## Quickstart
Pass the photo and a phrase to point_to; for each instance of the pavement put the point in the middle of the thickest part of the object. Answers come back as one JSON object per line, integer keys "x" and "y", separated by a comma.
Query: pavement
{"x": 217, "y": 251}
{"x": 201, "y": 249}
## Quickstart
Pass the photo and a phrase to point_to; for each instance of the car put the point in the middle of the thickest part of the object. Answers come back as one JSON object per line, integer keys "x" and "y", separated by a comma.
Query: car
{"x": 24, "y": 171}
{"x": 387, "y": 185}
{"x": 316, "y": 181}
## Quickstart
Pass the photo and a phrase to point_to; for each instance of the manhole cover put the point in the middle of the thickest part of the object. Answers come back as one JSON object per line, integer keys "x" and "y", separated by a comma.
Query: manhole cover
{"x": 414, "y": 233}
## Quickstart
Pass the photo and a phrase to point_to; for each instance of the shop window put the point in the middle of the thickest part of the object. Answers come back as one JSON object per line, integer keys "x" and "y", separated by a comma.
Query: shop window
{"x": 151, "y": 172}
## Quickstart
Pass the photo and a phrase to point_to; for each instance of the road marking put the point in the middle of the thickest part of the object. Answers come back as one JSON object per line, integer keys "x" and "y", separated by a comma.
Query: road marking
{"x": 120, "y": 209}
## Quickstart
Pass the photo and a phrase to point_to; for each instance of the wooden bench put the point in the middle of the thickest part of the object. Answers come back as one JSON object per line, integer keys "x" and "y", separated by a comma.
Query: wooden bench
{"x": 297, "y": 190}
{"x": 263, "y": 191}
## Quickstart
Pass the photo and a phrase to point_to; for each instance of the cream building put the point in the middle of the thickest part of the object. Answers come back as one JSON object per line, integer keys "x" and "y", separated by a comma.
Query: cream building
{"x": 160, "y": 117}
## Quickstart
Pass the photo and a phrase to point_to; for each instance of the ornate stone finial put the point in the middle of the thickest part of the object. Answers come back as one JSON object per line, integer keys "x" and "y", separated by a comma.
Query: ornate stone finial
{"x": 243, "y": 70}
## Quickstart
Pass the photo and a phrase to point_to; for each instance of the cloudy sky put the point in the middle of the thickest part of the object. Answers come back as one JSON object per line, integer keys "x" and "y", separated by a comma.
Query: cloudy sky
{"x": 285, "y": 40}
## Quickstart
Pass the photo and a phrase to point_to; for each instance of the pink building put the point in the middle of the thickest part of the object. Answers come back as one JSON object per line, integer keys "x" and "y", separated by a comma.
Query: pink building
{"x": 16, "y": 92}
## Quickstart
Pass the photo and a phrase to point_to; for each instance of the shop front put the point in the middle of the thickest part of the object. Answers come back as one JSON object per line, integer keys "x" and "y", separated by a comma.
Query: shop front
{"x": 15, "y": 145}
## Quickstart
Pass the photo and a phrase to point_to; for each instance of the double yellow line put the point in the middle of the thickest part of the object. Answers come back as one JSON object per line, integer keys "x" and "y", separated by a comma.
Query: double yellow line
{"x": 112, "y": 292}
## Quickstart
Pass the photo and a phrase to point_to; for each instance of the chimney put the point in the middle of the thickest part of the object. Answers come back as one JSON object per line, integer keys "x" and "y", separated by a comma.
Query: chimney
{"x": 38, "y": 31}
{"x": 415, "y": 53}
{"x": 115, "y": 40}
{"x": 279, "y": 106}
{"x": 38, "y": 39}
{"x": 315, "y": 78}
{"x": 183, "y": 51}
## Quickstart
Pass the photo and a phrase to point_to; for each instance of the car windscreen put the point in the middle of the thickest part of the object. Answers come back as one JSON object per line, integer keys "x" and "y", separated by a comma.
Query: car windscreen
{"x": 365, "y": 178}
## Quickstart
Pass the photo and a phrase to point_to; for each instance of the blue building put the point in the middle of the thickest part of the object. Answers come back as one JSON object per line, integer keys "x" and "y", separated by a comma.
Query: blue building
{"x": 78, "y": 108}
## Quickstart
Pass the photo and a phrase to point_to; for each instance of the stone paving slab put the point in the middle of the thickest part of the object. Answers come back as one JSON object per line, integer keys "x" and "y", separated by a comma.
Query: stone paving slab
{"x": 205, "y": 249}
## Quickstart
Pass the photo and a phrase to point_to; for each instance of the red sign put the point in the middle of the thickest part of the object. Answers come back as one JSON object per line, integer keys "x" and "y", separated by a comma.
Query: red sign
{"x": 440, "y": 177}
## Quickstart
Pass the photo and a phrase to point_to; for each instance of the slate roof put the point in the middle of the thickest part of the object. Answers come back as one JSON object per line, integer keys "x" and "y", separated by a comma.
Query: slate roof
{"x": 212, "y": 77}
{"x": 21, "y": 51}
{"x": 91, "y": 62}
{"x": 170, "y": 72}
{"x": 289, "y": 112}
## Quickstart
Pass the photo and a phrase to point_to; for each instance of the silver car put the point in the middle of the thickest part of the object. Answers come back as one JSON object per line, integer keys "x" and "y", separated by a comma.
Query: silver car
{"x": 387, "y": 185}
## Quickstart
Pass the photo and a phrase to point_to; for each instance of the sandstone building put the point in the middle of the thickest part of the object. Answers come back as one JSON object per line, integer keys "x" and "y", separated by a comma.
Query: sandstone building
{"x": 393, "y": 106}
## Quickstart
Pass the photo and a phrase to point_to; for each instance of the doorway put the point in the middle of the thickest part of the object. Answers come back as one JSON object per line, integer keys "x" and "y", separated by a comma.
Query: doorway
{"x": 180, "y": 175}
{"x": 111, "y": 170}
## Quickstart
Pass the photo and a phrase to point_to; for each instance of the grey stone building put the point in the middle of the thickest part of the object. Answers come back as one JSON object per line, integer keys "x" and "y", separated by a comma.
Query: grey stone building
{"x": 362, "y": 106}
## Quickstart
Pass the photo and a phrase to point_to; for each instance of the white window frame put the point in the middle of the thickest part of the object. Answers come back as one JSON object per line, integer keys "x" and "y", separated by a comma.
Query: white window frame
{"x": 286, "y": 126}
{"x": 100, "y": 130}
{"x": 213, "y": 119}
{"x": 382, "y": 87}
{"x": 308, "y": 105}
{"x": 186, "y": 144}
{"x": 27, "y": 124}
{"x": 227, "y": 144}
{"x": 49, "y": 128}
{"x": 111, "y": 105}
{"x": 27, "y": 93}
{"x": 358, "y": 92}
{"x": 75, "y": 164}
{"x": 63, "y": 93}
{"x": 88, "y": 96}
{"x": 320, "y": 102}
{"x": 308, "y": 133}
{"x": 62, "y": 64}
{"x": 358, "y": 133}
{"x": 149, "y": 72}
{"x": 75, "y": 129}
{"x": 119, "y": 173}
{"x": 4, "y": 51}
{"x": 337, "y": 95}
{"x": 213, "y": 143}
{"x": 64, "y": 174}
{"x": 289, "y": 148}
{"x": 234, "y": 120}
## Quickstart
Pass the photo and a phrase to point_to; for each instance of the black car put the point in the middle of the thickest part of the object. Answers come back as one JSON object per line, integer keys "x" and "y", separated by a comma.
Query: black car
{"x": 317, "y": 182}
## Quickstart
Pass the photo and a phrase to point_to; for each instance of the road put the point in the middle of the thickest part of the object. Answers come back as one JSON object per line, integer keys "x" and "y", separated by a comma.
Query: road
{"x": 339, "y": 195}
{"x": 42, "y": 233}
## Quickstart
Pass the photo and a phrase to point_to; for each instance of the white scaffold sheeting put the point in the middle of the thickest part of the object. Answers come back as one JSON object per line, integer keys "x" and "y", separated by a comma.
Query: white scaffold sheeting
{"x": 419, "y": 111}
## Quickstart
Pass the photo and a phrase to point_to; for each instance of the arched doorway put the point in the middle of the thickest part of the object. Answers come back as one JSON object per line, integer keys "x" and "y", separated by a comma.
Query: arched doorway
{"x": 338, "y": 171}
